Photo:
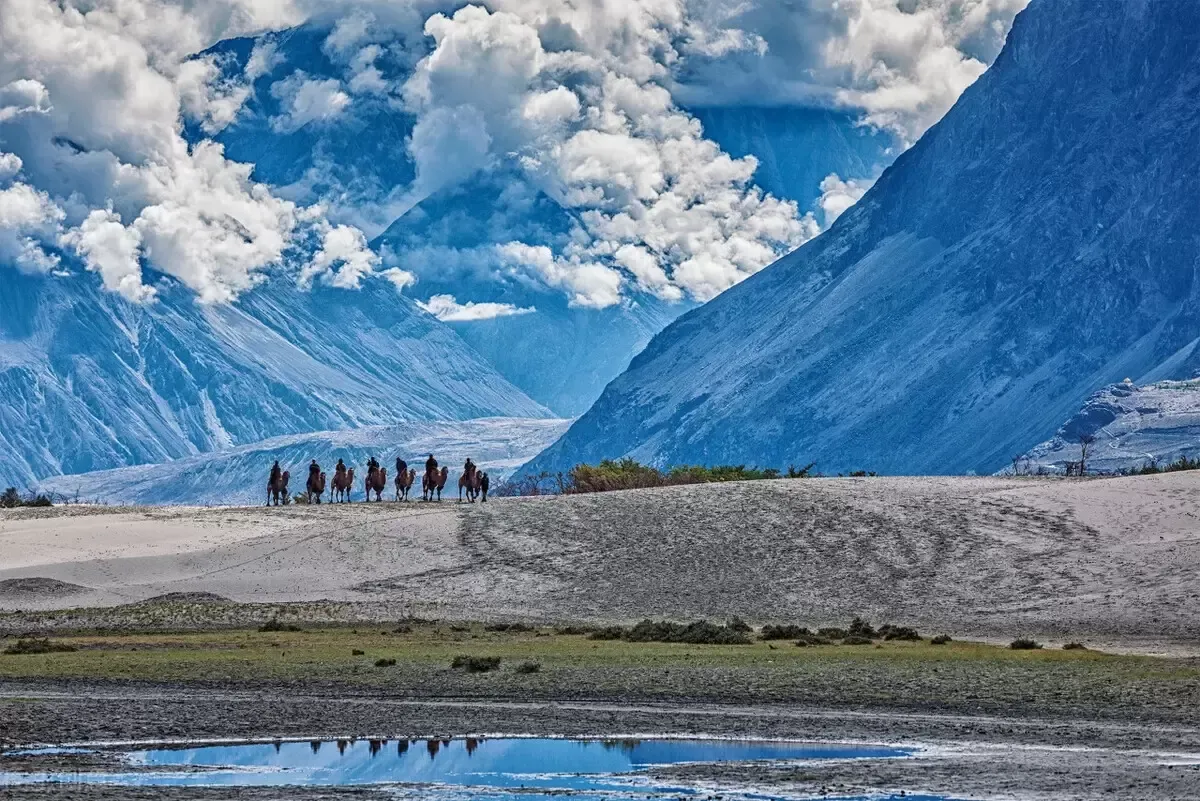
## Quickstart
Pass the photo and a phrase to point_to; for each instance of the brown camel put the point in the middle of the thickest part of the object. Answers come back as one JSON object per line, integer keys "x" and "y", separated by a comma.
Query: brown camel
{"x": 375, "y": 482}
{"x": 277, "y": 490}
{"x": 315, "y": 488}
{"x": 343, "y": 486}
{"x": 404, "y": 483}
{"x": 471, "y": 483}
{"x": 435, "y": 483}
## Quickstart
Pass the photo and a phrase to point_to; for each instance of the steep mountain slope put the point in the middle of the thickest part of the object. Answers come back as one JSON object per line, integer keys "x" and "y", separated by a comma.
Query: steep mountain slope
{"x": 1038, "y": 243}
{"x": 91, "y": 381}
{"x": 1133, "y": 426}
{"x": 238, "y": 475}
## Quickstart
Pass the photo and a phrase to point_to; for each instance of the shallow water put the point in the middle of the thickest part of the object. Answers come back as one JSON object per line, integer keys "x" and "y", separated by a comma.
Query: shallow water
{"x": 465, "y": 768}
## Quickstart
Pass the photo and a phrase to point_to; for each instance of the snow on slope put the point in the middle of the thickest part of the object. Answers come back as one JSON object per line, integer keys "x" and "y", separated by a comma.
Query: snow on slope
{"x": 1133, "y": 426}
{"x": 1038, "y": 243}
{"x": 498, "y": 445}
{"x": 90, "y": 381}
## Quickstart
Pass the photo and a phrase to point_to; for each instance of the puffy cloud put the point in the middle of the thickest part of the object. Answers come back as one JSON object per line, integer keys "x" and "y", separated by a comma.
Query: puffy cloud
{"x": 346, "y": 249}
{"x": 838, "y": 195}
{"x": 305, "y": 100}
{"x": 447, "y": 309}
{"x": 28, "y": 220}
{"x": 10, "y": 165}
{"x": 902, "y": 63}
{"x": 263, "y": 60}
{"x": 95, "y": 95}
{"x": 113, "y": 250}
{"x": 655, "y": 202}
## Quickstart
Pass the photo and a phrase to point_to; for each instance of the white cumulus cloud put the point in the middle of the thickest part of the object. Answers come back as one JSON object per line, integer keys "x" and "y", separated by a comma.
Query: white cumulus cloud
{"x": 447, "y": 309}
{"x": 306, "y": 100}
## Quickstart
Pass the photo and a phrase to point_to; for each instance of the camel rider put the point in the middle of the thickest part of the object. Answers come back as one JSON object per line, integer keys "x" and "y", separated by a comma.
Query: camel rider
{"x": 372, "y": 465}
{"x": 276, "y": 473}
{"x": 469, "y": 468}
{"x": 314, "y": 471}
{"x": 401, "y": 466}
{"x": 431, "y": 464}
{"x": 340, "y": 470}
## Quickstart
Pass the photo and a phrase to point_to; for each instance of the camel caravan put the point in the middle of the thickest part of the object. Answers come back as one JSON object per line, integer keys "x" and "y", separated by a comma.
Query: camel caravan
{"x": 472, "y": 484}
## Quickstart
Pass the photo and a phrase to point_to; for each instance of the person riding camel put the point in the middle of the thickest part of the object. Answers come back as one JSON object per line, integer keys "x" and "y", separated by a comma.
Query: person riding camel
{"x": 314, "y": 471}
{"x": 401, "y": 466}
{"x": 276, "y": 474}
{"x": 372, "y": 465}
{"x": 469, "y": 469}
{"x": 431, "y": 465}
{"x": 340, "y": 470}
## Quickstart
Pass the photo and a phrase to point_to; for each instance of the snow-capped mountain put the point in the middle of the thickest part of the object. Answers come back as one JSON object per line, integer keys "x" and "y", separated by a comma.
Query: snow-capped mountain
{"x": 1131, "y": 426}
{"x": 1036, "y": 244}
{"x": 237, "y": 476}
{"x": 561, "y": 355}
{"x": 91, "y": 381}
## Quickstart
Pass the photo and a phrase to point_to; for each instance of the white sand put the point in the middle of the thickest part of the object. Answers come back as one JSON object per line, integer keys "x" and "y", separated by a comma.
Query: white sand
{"x": 1113, "y": 560}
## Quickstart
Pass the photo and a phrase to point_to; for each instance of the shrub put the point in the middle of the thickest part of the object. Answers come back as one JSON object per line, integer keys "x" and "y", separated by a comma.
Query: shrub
{"x": 357, "y": 652}
{"x": 476, "y": 664}
{"x": 890, "y": 632}
{"x": 831, "y": 633}
{"x": 39, "y": 646}
{"x": 940, "y": 639}
{"x": 1074, "y": 646}
{"x": 575, "y": 631}
{"x": 856, "y": 641}
{"x": 700, "y": 632}
{"x": 1024, "y": 644}
{"x": 526, "y": 668}
{"x": 787, "y": 632}
{"x": 385, "y": 663}
{"x": 737, "y": 624}
{"x": 861, "y": 628}
{"x": 274, "y": 624}
{"x": 625, "y": 474}
{"x": 608, "y": 633}
{"x": 11, "y": 499}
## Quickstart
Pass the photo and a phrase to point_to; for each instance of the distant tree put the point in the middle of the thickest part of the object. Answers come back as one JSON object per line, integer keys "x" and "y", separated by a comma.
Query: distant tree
{"x": 1085, "y": 447}
{"x": 11, "y": 499}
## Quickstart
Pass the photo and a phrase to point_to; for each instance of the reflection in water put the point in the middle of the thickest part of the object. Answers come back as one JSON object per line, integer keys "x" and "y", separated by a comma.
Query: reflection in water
{"x": 602, "y": 768}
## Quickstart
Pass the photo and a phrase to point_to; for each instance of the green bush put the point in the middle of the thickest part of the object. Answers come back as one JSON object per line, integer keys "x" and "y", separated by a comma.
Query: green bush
{"x": 861, "y": 628}
{"x": 39, "y": 646}
{"x": 476, "y": 664}
{"x": 1024, "y": 644}
{"x": 833, "y": 633}
{"x": 526, "y": 668}
{"x": 625, "y": 474}
{"x": 701, "y": 632}
{"x": 785, "y": 632}
{"x": 1074, "y": 646}
{"x": 274, "y": 624}
{"x": 940, "y": 639}
{"x": 381, "y": 663}
{"x": 852, "y": 640}
{"x": 508, "y": 627}
{"x": 890, "y": 632}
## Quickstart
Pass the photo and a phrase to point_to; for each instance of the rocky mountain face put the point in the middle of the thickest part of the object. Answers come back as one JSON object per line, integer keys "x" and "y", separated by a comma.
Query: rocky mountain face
{"x": 91, "y": 381}
{"x": 1130, "y": 426}
{"x": 1038, "y": 243}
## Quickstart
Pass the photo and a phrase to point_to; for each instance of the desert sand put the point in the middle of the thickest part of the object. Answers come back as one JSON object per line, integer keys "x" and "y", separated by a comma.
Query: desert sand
{"x": 1115, "y": 562}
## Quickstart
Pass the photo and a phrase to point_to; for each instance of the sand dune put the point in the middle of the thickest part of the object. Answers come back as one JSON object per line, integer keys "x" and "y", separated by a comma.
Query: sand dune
{"x": 1113, "y": 560}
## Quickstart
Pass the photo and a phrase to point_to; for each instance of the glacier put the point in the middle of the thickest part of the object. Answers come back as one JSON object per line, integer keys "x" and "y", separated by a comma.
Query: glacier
{"x": 238, "y": 476}
{"x": 1132, "y": 426}
{"x": 1037, "y": 244}
{"x": 91, "y": 381}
